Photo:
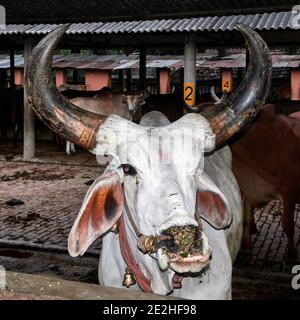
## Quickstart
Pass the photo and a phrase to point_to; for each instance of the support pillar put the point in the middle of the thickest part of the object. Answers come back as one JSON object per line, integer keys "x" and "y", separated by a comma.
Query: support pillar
{"x": 75, "y": 71}
{"x": 142, "y": 69}
{"x": 128, "y": 80}
{"x": 121, "y": 80}
{"x": 189, "y": 92}
{"x": 29, "y": 125}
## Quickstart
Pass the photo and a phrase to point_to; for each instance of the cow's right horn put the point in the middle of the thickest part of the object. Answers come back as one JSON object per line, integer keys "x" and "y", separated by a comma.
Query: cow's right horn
{"x": 230, "y": 116}
{"x": 63, "y": 117}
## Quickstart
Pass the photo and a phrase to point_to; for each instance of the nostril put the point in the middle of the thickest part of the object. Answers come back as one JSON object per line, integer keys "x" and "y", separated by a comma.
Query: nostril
{"x": 168, "y": 244}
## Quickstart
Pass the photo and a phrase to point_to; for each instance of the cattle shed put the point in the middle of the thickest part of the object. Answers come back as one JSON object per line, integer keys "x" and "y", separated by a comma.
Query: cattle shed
{"x": 133, "y": 25}
{"x": 163, "y": 72}
{"x": 175, "y": 48}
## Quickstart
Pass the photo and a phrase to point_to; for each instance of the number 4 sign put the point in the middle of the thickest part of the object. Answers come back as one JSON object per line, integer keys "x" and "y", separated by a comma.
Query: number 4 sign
{"x": 227, "y": 80}
{"x": 226, "y": 86}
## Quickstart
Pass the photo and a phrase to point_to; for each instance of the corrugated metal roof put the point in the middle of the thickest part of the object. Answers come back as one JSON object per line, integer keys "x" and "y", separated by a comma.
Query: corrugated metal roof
{"x": 265, "y": 21}
{"x": 58, "y": 11}
{"x": 116, "y": 62}
{"x": 5, "y": 61}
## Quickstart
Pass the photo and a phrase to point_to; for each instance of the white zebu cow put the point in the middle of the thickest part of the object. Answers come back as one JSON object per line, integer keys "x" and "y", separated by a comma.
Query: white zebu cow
{"x": 171, "y": 213}
{"x": 158, "y": 203}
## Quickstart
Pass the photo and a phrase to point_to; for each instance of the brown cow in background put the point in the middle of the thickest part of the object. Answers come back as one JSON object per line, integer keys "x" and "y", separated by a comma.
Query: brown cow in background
{"x": 266, "y": 163}
{"x": 127, "y": 105}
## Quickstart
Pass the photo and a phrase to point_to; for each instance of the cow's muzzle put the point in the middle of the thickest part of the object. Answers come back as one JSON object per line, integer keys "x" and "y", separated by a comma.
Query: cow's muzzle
{"x": 184, "y": 249}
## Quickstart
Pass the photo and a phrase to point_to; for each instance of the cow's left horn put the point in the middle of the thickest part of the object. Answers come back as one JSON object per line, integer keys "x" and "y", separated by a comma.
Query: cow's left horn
{"x": 230, "y": 116}
{"x": 63, "y": 117}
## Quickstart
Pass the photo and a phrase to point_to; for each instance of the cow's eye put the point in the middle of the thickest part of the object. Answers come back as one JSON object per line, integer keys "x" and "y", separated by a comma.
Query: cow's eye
{"x": 128, "y": 169}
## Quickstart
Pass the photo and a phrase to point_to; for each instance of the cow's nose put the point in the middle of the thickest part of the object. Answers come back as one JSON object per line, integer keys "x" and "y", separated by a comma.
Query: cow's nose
{"x": 181, "y": 239}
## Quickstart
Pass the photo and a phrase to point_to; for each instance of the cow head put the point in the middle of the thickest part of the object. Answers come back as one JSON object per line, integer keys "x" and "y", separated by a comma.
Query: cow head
{"x": 156, "y": 176}
{"x": 134, "y": 101}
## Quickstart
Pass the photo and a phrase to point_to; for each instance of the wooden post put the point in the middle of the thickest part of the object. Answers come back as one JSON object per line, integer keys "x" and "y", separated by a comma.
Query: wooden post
{"x": 128, "y": 80}
{"x": 120, "y": 80}
{"x": 75, "y": 71}
{"x": 190, "y": 70}
{"x": 29, "y": 125}
{"x": 143, "y": 69}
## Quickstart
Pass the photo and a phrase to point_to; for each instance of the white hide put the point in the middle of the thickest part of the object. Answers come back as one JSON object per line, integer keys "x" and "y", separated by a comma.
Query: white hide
{"x": 164, "y": 193}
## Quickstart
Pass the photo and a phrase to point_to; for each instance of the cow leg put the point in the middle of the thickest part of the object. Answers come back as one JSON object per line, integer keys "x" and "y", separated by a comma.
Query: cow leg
{"x": 248, "y": 216}
{"x": 288, "y": 223}
{"x": 15, "y": 134}
{"x": 68, "y": 147}
{"x": 72, "y": 147}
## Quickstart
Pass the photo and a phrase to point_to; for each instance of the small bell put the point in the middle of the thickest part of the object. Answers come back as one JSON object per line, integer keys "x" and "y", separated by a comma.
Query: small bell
{"x": 115, "y": 228}
{"x": 129, "y": 279}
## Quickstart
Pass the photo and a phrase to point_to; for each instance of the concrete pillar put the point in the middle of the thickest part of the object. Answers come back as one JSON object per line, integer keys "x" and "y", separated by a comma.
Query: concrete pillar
{"x": 227, "y": 80}
{"x": 19, "y": 76}
{"x": 190, "y": 70}
{"x": 97, "y": 79}
{"x": 295, "y": 84}
{"x": 164, "y": 81}
{"x": 29, "y": 125}
{"x": 142, "y": 70}
{"x": 60, "y": 77}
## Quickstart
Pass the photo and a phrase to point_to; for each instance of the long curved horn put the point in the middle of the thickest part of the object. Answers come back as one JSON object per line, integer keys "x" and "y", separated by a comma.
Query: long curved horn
{"x": 229, "y": 117}
{"x": 63, "y": 117}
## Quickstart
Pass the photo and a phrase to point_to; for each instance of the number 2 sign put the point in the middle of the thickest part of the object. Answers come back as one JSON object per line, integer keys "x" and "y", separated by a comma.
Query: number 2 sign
{"x": 189, "y": 93}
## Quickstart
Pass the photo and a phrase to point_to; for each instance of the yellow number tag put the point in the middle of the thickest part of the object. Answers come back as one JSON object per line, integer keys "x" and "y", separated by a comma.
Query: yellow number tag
{"x": 226, "y": 86}
{"x": 189, "y": 93}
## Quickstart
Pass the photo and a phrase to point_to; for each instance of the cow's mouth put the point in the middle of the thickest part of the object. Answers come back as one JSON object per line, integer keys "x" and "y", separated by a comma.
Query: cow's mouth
{"x": 185, "y": 250}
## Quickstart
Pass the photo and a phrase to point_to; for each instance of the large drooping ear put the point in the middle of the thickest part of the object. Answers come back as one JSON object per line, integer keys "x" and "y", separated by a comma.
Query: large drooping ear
{"x": 101, "y": 209}
{"x": 211, "y": 204}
